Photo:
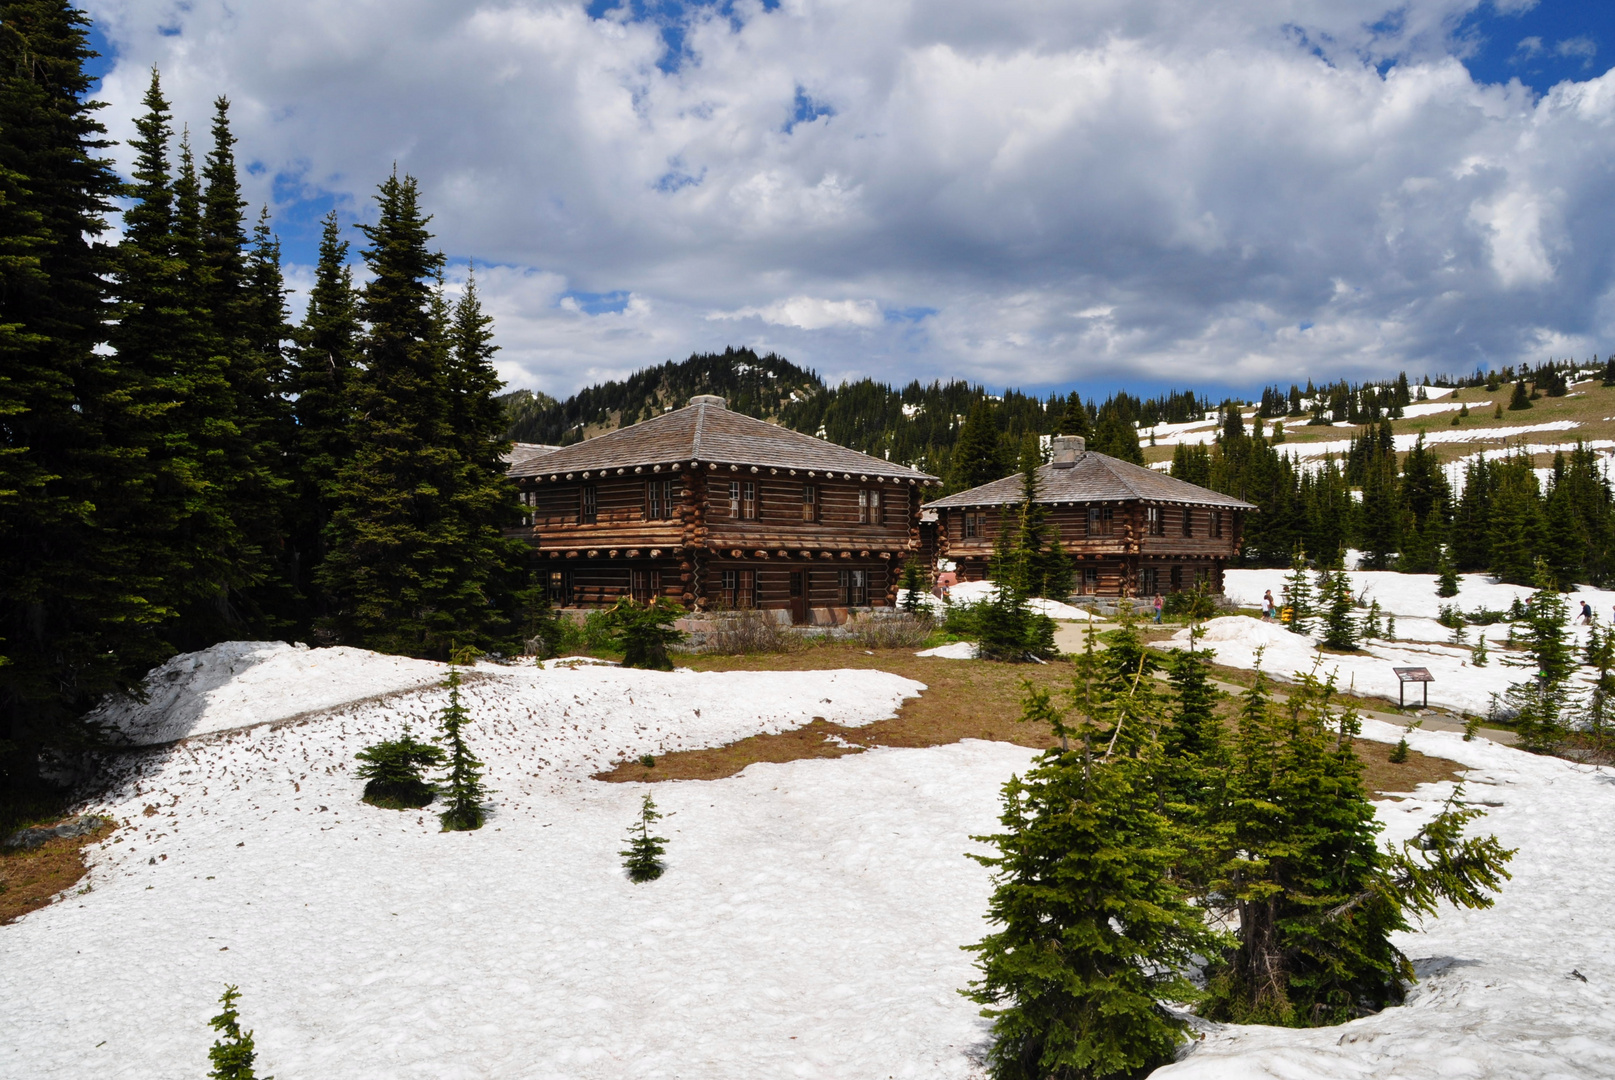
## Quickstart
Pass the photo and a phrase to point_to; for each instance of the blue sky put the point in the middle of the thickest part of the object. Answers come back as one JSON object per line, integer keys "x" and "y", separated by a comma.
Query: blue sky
{"x": 1137, "y": 193}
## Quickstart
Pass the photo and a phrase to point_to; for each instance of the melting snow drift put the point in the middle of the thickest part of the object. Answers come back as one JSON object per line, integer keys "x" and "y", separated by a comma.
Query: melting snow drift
{"x": 809, "y": 923}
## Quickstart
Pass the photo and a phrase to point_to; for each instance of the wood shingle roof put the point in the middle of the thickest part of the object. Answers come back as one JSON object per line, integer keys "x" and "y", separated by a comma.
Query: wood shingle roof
{"x": 707, "y": 432}
{"x": 1095, "y": 477}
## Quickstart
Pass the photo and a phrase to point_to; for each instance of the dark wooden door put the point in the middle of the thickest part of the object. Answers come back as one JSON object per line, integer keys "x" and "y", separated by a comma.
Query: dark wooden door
{"x": 798, "y": 598}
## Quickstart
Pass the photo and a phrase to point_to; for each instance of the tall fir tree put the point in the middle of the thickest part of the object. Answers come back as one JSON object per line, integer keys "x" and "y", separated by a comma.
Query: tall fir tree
{"x": 978, "y": 454}
{"x": 415, "y": 562}
{"x": 78, "y": 592}
{"x": 324, "y": 362}
{"x": 183, "y": 417}
{"x": 1094, "y": 931}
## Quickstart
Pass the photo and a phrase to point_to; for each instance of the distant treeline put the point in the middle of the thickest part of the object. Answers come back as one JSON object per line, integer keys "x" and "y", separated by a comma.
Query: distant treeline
{"x": 921, "y": 425}
{"x": 1407, "y": 515}
{"x": 178, "y": 464}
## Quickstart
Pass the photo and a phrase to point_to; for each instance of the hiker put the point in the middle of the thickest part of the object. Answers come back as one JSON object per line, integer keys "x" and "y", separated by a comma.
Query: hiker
{"x": 1267, "y": 606}
{"x": 1586, "y": 613}
{"x": 1158, "y": 607}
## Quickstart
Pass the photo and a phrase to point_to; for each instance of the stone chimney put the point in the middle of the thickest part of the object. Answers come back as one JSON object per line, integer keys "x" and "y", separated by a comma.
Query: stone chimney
{"x": 717, "y": 401}
{"x": 1066, "y": 449}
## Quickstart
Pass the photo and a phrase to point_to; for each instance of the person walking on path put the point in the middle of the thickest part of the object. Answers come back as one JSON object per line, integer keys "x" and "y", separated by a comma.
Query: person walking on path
{"x": 1158, "y": 607}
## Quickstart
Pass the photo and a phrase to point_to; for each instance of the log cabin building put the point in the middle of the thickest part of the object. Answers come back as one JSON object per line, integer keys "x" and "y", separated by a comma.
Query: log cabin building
{"x": 719, "y": 510}
{"x": 1131, "y": 531}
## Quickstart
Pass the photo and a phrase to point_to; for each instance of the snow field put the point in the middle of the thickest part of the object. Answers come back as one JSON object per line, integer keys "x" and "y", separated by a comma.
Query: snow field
{"x": 966, "y": 593}
{"x": 809, "y": 924}
{"x": 240, "y": 683}
{"x": 367, "y": 943}
{"x": 1496, "y": 997}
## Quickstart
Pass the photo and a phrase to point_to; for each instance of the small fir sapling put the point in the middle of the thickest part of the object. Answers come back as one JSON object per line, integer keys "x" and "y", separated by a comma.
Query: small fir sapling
{"x": 232, "y": 1054}
{"x": 1390, "y": 628}
{"x": 1371, "y": 627}
{"x": 642, "y": 858}
{"x": 462, "y": 786}
{"x": 1447, "y": 579}
{"x": 1298, "y": 594}
{"x": 913, "y": 585}
{"x": 1471, "y": 727}
{"x": 1478, "y": 655}
{"x": 392, "y": 771}
{"x": 1335, "y": 598}
{"x": 1399, "y": 752}
{"x": 645, "y": 632}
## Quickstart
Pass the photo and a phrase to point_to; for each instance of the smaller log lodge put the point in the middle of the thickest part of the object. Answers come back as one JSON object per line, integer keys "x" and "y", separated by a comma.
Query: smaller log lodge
{"x": 1131, "y": 531}
{"x": 719, "y": 510}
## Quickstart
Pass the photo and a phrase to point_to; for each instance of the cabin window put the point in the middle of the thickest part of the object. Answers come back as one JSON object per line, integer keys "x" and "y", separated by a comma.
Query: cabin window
{"x": 588, "y": 505}
{"x": 1155, "y": 520}
{"x": 739, "y": 589}
{"x": 1100, "y": 520}
{"x": 748, "y": 500}
{"x": 1151, "y": 583}
{"x": 1177, "y": 579}
{"x": 1216, "y": 524}
{"x": 560, "y": 590}
{"x": 975, "y": 526}
{"x": 645, "y": 585}
{"x": 869, "y": 507}
{"x": 659, "y": 498}
{"x": 1188, "y": 522}
{"x": 854, "y": 585}
{"x": 1090, "y": 580}
{"x": 810, "y": 503}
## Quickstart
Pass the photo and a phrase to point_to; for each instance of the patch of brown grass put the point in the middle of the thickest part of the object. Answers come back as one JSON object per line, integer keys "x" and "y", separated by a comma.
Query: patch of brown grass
{"x": 964, "y": 699}
{"x": 30, "y": 880}
{"x": 1382, "y": 777}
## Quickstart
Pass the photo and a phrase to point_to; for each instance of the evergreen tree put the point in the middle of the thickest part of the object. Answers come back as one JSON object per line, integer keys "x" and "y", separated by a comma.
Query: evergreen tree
{"x": 232, "y": 1054}
{"x": 1298, "y": 594}
{"x": 322, "y": 368}
{"x": 1059, "y": 572}
{"x": 1447, "y": 581}
{"x": 913, "y": 586}
{"x": 415, "y": 561}
{"x": 462, "y": 786}
{"x": 1094, "y": 932}
{"x": 1192, "y": 463}
{"x": 1520, "y": 399}
{"x": 1006, "y": 628}
{"x": 393, "y": 768}
{"x": 542, "y": 630}
{"x": 1115, "y": 435}
{"x": 182, "y": 416}
{"x": 642, "y": 858}
{"x": 1514, "y": 527}
{"x": 1317, "y": 901}
{"x": 1074, "y": 420}
{"x": 80, "y": 596}
{"x": 645, "y": 632}
{"x": 978, "y": 455}
{"x": 1031, "y": 522}
{"x": 1540, "y": 704}
{"x": 1335, "y": 598}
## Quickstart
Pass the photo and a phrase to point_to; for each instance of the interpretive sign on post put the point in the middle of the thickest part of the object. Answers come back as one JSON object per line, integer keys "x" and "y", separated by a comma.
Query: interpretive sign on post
{"x": 1405, "y": 675}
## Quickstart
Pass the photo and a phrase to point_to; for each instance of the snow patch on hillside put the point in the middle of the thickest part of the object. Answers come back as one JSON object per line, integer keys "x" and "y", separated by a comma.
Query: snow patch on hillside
{"x": 240, "y": 683}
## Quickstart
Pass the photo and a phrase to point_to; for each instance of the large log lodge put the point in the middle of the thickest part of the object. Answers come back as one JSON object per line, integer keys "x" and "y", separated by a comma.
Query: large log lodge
{"x": 1132, "y": 531}
{"x": 719, "y": 510}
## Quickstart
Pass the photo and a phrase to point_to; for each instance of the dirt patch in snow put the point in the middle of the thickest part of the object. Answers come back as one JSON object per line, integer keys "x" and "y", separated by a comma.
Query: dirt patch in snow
{"x": 966, "y": 699}
{"x": 29, "y": 880}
